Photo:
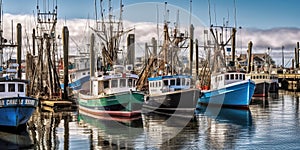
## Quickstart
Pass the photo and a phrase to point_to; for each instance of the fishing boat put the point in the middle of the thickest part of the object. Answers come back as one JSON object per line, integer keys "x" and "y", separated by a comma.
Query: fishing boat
{"x": 113, "y": 85}
{"x": 114, "y": 93}
{"x": 228, "y": 86}
{"x": 170, "y": 91}
{"x": 265, "y": 79}
{"x": 78, "y": 70}
{"x": 229, "y": 89}
{"x": 262, "y": 83}
{"x": 171, "y": 94}
{"x": 15, "y": 107}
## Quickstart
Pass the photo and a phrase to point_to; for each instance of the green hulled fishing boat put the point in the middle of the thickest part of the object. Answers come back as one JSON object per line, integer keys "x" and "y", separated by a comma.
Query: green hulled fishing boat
{"x": 114, "y": 94}
{"x": 113, "y": 85}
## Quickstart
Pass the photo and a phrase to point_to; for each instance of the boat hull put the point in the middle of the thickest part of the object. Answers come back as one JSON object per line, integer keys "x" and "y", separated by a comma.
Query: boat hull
{"x": 274, "y": 86}
{"x": 16, "y": 111}
{"x": 77, "y": 85}
{"x": 261, "y": 89}
{"x": 126, "y": 104}
{"x": 177, "y": 102}
{"x": 236, "y": 95}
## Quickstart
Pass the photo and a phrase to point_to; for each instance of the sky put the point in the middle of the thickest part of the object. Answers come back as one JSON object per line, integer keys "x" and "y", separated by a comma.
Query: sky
{"x": 267, "y": 23}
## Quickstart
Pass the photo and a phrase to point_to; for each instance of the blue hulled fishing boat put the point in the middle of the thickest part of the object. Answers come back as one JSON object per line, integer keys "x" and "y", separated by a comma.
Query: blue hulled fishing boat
{"x": 230, "y": 89}
{"x": 228, "y": 85}
{"x": 15, "y": 107}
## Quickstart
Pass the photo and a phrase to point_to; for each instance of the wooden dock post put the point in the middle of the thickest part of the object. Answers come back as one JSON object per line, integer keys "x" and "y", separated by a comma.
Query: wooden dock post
{"x": 92, "y": 60}
{"x": 19, "y": 49}
{"x": 66, "y": 60}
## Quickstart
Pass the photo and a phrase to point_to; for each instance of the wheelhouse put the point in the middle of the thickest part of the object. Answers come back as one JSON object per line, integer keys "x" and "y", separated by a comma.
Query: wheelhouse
{"x": 116, "y": 83}
{"x": 164, "y": 84}
{"x": 12, "y": 88}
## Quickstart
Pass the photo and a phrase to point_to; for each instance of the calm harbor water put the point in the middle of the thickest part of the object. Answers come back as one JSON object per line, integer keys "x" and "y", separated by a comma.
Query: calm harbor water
{"x": 271, "y": 123}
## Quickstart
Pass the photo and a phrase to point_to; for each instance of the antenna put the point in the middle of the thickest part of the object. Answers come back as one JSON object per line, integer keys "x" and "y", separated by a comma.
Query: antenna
{"x": 157, "y": 26}
{"x": 96, "y": 13}
{"x": 190, "y": 12}
{"x": 209, "y": 13}
{"x": 234, "y": 14}
{"x": 215, "y": 13}
{"x": 165, "y": 14}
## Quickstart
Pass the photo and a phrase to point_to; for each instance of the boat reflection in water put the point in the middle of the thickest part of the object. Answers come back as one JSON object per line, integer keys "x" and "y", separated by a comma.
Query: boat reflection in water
{"x": 54, "y": 130}
{"x": 10, "y": 139}
{"x": 111, "y": 132}
{"x": 168, "y": 132}
{"x": 220, "y": 127}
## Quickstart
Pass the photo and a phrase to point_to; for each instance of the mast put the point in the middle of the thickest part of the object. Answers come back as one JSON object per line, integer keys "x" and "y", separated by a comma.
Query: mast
{"x": 45, "y": 79}
{"x": 3, "y": 41}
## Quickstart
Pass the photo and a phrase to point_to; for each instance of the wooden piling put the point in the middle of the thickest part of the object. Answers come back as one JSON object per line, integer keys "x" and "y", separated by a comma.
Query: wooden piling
{"x": 92, "y": 59}
{"x": 197, "y": 59}
{"x": 19, "y": 49}
{"x": 191, "y": 48}
{"x": 249, "y": 69}
{"x": 66, "y": 60}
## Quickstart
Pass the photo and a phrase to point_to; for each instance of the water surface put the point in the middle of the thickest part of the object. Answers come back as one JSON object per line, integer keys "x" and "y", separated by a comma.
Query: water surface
{"x": 270, "y": 123}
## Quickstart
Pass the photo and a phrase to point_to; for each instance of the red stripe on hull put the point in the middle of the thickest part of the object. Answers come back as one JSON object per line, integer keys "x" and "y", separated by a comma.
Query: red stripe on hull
{"x": 112, "y": 113}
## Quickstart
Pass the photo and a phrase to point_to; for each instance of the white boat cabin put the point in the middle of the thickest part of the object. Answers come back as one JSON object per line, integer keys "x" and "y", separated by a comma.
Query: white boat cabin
{"x": 163, "y": 84}
{"x": 262, "y": 77}
{"x": 116, "y": 81}
{"x": 12, "y": 88}
{"x": 222, "y": 79}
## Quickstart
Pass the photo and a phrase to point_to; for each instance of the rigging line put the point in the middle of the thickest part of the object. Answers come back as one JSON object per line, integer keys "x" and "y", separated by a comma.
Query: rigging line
{"x": 209, "y": 13}
{"x": 215, "y": 14}
{"x": 234, "y": 13}
{"x": 96, "y": 16}
{"x": 190, "y": 21}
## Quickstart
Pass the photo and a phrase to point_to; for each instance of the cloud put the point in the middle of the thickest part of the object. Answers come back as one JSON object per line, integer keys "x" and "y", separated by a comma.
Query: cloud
{"x": 274, "y": 38}
{"x": 144, "y": 31}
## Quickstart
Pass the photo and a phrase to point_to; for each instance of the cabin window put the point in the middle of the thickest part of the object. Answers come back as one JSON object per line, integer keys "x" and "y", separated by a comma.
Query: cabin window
{"x": 260, "y": 77}
{"x": 114, "y": 83}
{"x": 11, "y": 88}
{"x": 21, "y": 87}
{"x": 227, "y": 77}
{"x": 2, "y": 87}
{"x": 159, "y": 84}
{"x": 183, "y": 81}
{"x": 106, "y": 84}
{"x": 134, "y": 82}
{"x": 88, "y": 72}
{"x": 83, "y": 73}
{"x": 236, "y": 76}
{"x": 178, "y": 81}
{"x": 231, "y": 76}
{"x": 166, "y": 82}
{"x": 188, "y": 82}
{"x": 172, "y": 82}
{"x": 129, "y": 82}
{"x": 241, "y": 77}
{"x": 122, "y": 82}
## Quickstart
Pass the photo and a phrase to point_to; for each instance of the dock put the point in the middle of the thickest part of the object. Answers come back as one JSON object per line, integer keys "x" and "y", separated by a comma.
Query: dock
{"x": 57, "y": 105}
{"x": 289, "y": 81}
